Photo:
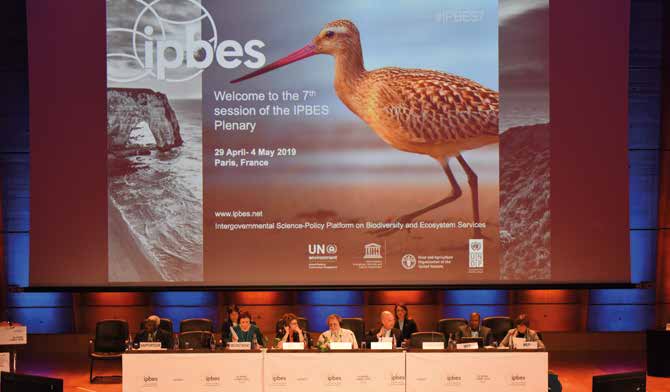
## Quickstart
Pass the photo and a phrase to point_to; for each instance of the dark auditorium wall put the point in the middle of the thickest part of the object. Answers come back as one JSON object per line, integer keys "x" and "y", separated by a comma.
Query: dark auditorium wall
{"x": 549, "y": 310}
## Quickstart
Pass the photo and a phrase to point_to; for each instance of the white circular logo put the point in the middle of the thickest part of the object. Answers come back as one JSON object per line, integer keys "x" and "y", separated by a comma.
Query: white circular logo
{"x": 131, "y": 50}
{"x": 331, "y": 249}
{"x": 408, "y": 261}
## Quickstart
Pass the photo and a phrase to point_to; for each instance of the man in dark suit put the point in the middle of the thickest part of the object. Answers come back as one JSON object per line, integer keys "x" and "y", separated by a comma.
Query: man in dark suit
{"x": 386, "y": 330}
{"x": 152, "y": 333}
{"x": 475, "y": 329}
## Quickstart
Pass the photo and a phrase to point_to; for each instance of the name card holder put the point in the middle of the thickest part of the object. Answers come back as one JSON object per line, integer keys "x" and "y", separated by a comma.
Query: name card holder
{"x": 433, "y": 345}
{"x": 290, "y": 346}
{"x": 239, "y": 346}
{"x": 13, "y": 335}
{"x": 518, "y": 342}
{"x": 381, "y": 345}
{"x": 467, "y": 346}
{"x": 150, "y": 346}
{"x": 341, "y": 345}
{"x": 528, "y": 346}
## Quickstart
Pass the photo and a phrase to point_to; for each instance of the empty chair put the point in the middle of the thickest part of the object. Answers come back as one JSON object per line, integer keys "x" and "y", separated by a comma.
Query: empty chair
{"x": 195, "y": 339}
{"x": 196, "y": 324}
{"x": 303, "y": 323}
{"x": 355, "y": 325}
{"x": 499, "y": 325}
{"x": 417, "y": 338}
{"x": 450, "y": 326}
{"x": 165, "y": 325}
{"x": 110, "y": 341}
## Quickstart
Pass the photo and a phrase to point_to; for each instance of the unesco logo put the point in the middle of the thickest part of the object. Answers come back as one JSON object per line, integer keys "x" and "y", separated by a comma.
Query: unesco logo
{"x": 408, "y": 261}
{"x": 153, "y": 43}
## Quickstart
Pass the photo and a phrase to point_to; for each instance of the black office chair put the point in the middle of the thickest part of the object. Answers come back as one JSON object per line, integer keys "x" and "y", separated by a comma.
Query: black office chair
{"x": 450, "y": 326}
{"x": 499, "y": 325}
{"x": 110, "y": 341}
{"x": 195, "y": 339}
{"x": 196, "y": 324}
{"x": 417, "y": 338}
{"x": 303, "y": 323}
{"x": 355, "y": 325}
{"x": 165, "y": 325}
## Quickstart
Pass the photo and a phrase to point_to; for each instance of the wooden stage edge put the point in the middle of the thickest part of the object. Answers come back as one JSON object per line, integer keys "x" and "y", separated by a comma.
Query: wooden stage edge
{"x": 65, "y": 356}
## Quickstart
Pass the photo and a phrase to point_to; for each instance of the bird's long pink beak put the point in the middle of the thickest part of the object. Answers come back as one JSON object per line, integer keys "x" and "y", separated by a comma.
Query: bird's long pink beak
{"x": 307, "y": 51}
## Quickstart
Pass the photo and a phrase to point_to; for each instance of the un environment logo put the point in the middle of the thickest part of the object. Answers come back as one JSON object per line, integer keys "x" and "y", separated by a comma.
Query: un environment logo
{"x": 155, "y": 35}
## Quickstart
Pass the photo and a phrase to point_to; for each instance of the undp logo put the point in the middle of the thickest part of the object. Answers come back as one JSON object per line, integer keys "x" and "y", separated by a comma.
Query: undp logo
{"x": 164, "y": 39}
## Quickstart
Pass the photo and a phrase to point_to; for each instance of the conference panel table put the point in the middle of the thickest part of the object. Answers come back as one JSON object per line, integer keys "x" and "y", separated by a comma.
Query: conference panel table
{"x": 481, "y": 370}
{"x": 355, "y": 370}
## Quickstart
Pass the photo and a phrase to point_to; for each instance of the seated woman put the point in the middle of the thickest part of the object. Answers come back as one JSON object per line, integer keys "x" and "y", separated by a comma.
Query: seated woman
{"x": 292, "y": 332}
{"x": 404, "y": 323}
{"x": 522, "y": 331}
{"x": 231, "y": 322}
{"x": 335, "y": 333}
{"x": 246, "y": 332}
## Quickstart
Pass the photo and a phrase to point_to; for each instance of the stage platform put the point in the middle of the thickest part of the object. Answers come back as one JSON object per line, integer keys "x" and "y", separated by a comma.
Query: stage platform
{"x": 574, "y": 368}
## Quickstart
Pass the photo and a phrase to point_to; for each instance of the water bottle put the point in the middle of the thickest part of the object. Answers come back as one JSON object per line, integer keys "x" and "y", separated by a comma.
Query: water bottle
{"x": 175, "y": 345}
{"x": 451, "y": 345}
{"x": 212, "y": 344}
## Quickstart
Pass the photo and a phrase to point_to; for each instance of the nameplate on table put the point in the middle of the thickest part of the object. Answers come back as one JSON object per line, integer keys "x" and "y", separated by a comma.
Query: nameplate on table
{"x": 518, "y": 342}
{"x": 4, "y": 362}
{"x": 11, "y": 335}
{"x": 467, "y": 346}
{"x": 341, "y": 345}
{"x": 150, "y": 346}
{"x": 381, "y": 345}
{"x": 239, "y": 346}
{"x": 293, "y": 346}
{"x": 528, "y": 346}
{"x": 667, "y": 327}
{"x": 433, "y": 345}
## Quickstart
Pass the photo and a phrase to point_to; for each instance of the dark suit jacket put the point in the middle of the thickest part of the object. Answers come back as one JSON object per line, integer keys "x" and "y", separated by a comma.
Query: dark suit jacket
{"x": 408, "y": 328}
{"x": 464, "y": 331}
{"x": 162, "y": 336}
{"x": 371, "y": 336}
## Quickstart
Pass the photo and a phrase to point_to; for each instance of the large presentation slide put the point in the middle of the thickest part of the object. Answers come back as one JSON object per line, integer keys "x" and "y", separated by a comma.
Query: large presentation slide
{"x": 352, "y": 143}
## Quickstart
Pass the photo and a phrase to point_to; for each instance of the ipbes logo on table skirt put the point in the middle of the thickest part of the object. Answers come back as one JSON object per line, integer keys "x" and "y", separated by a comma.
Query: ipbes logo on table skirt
{"x": 165, "y": 49}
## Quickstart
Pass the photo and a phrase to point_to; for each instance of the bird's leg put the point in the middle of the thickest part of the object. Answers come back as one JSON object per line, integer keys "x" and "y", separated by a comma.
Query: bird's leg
{"x": 455, "y": 194}
{"x": 472, "y": 181}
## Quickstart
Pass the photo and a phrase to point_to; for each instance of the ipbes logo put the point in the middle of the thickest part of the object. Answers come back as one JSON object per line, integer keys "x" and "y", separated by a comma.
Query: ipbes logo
{"x": 149, "y": 381}
{"x": 146, "y": 41}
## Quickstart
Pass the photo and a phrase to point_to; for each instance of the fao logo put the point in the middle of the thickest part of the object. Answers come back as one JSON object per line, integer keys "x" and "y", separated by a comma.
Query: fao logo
{"x": 408, "y": 261}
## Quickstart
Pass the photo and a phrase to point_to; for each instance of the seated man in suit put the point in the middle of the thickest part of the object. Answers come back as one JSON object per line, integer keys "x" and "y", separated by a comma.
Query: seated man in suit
{"x": 475, "y": 329}
{"x": 522, "y": 331}
{"x": 386, "y": 330}
{"x": 153, "y": 333}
